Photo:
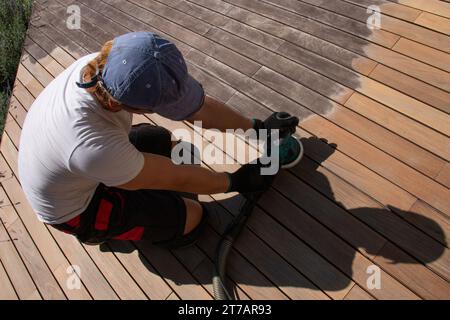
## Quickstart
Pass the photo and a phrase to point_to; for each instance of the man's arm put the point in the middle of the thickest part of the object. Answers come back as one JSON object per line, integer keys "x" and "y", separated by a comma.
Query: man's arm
{"x": 217, "y": 115}
{"x": 161, "y": 173}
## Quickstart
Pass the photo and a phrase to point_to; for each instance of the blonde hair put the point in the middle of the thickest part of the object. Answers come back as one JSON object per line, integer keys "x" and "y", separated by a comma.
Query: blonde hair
{"x": 94, "y": 67}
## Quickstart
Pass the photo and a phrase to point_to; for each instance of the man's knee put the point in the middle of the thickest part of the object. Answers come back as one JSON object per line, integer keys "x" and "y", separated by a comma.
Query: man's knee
{"x": 194, "y": 213}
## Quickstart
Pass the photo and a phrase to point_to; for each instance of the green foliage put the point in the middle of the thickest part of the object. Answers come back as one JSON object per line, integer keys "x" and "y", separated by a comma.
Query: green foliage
{"x": 14, "y": 16}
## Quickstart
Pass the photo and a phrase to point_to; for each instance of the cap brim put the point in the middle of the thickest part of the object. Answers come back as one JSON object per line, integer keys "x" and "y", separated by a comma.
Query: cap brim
{"x": 188, "y": 105}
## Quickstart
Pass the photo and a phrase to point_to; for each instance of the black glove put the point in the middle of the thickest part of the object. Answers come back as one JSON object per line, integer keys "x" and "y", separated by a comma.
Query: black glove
{"x": 283, "y": 121}
{"x": 249, "y": 179}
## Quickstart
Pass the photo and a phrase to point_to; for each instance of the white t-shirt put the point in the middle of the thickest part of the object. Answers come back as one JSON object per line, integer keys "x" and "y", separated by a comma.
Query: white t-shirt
{"x": 69, "y": 144}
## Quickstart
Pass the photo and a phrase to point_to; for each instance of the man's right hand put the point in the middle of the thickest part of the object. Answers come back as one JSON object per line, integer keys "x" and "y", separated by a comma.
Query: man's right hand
{"x": 248, "y": 179}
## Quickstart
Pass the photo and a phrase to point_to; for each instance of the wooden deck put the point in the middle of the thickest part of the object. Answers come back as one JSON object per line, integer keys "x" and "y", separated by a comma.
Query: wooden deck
{"x": 375, "y": 194}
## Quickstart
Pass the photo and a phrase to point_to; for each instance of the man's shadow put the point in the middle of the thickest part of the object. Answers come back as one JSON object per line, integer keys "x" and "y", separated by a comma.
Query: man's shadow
{"x": 182, "y": 266}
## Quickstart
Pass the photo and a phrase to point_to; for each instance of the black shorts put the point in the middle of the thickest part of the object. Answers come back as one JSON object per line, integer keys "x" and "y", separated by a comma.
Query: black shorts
{"x": 113, "y": 213}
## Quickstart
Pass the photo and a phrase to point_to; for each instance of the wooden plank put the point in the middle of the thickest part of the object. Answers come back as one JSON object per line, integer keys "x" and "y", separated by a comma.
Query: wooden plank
{"x": 47, "y": 17}
{"x": 393, "y": 25}
{"x": 7, "y": 292}
{"x": 35, "y": 68}
{"x": 118, "y": 16}
{"x": 417, "y": 33}
{"x": 8, "y": 214}
{"x": 91, "y": 276}
{"x": 207, "y": 12}
{"x": 25, "y": 77}
{"x": 405, "y": 269}
{"x": 142, "y": 271}
{"x": 178, "y": 278}
{"x": 339, "y": 22}
{"x": 423, "y": 53}
{"x": 433, "y": 6}
{"x": 352, "y": 122}
{"x": 304, "y": 38}
{"x": 344, "y": 257}
{"x": 444, "y": 176}
{"x": 29, "y": 253}
{"x": 90, "y": 14}
{"x": 245, "y": 65}
{"x": 303, "y": 75}
{"x": 42, "y": 57}
{"x": 342, "y": 187}
{"x": 190, "y": 257}
{"x": 360, "y": 46}
{"x": 248, "y": 276}
{"x": 52, "y": 254}
{"x": 54, "y": 16}
{"x": 23, "y": 96}
{"x": 375, "y": 90}
{"x": 16, "y": 111}
{"x": 380, "y": 220}
{"x": 15, "y": 268}
{"x": 439, "y": 230}
{"x": 275, "y": 101}
{"x": 271, "y": 58}
{"x": 249, "y": 280}
{"x": 385, "y": 220}
{"x": 46, "y": 64}
{"x": 203, "y": 273}
{"x": 179, "y": 17}
{"x": 400, "y": 124}
{"x": 357, "y": 293}
{"x": 56, "y": 52}
{"x": 390, "y": 8}
{"x": 172, "y": 296}
{"x": 293, "y": 283}
{"x": 434, "y": 22}
{"x": 65, "y": 42}
{"x": 412, "y": 87}
{"x": 322, "y": 84}
{"x": 118, "y": 277}
{"x": 400, "y": 102}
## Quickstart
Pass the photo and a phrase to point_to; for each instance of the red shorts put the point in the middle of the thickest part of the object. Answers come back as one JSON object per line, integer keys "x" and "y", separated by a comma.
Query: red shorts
{"x": 113, "y": 213}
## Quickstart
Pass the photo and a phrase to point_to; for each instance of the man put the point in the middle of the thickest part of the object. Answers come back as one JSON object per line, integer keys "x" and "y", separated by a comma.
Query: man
{"x": 87, "y": 171}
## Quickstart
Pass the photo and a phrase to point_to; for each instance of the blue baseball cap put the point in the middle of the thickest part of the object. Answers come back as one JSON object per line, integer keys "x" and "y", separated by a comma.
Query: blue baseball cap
{"x": 145, "y": 71}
